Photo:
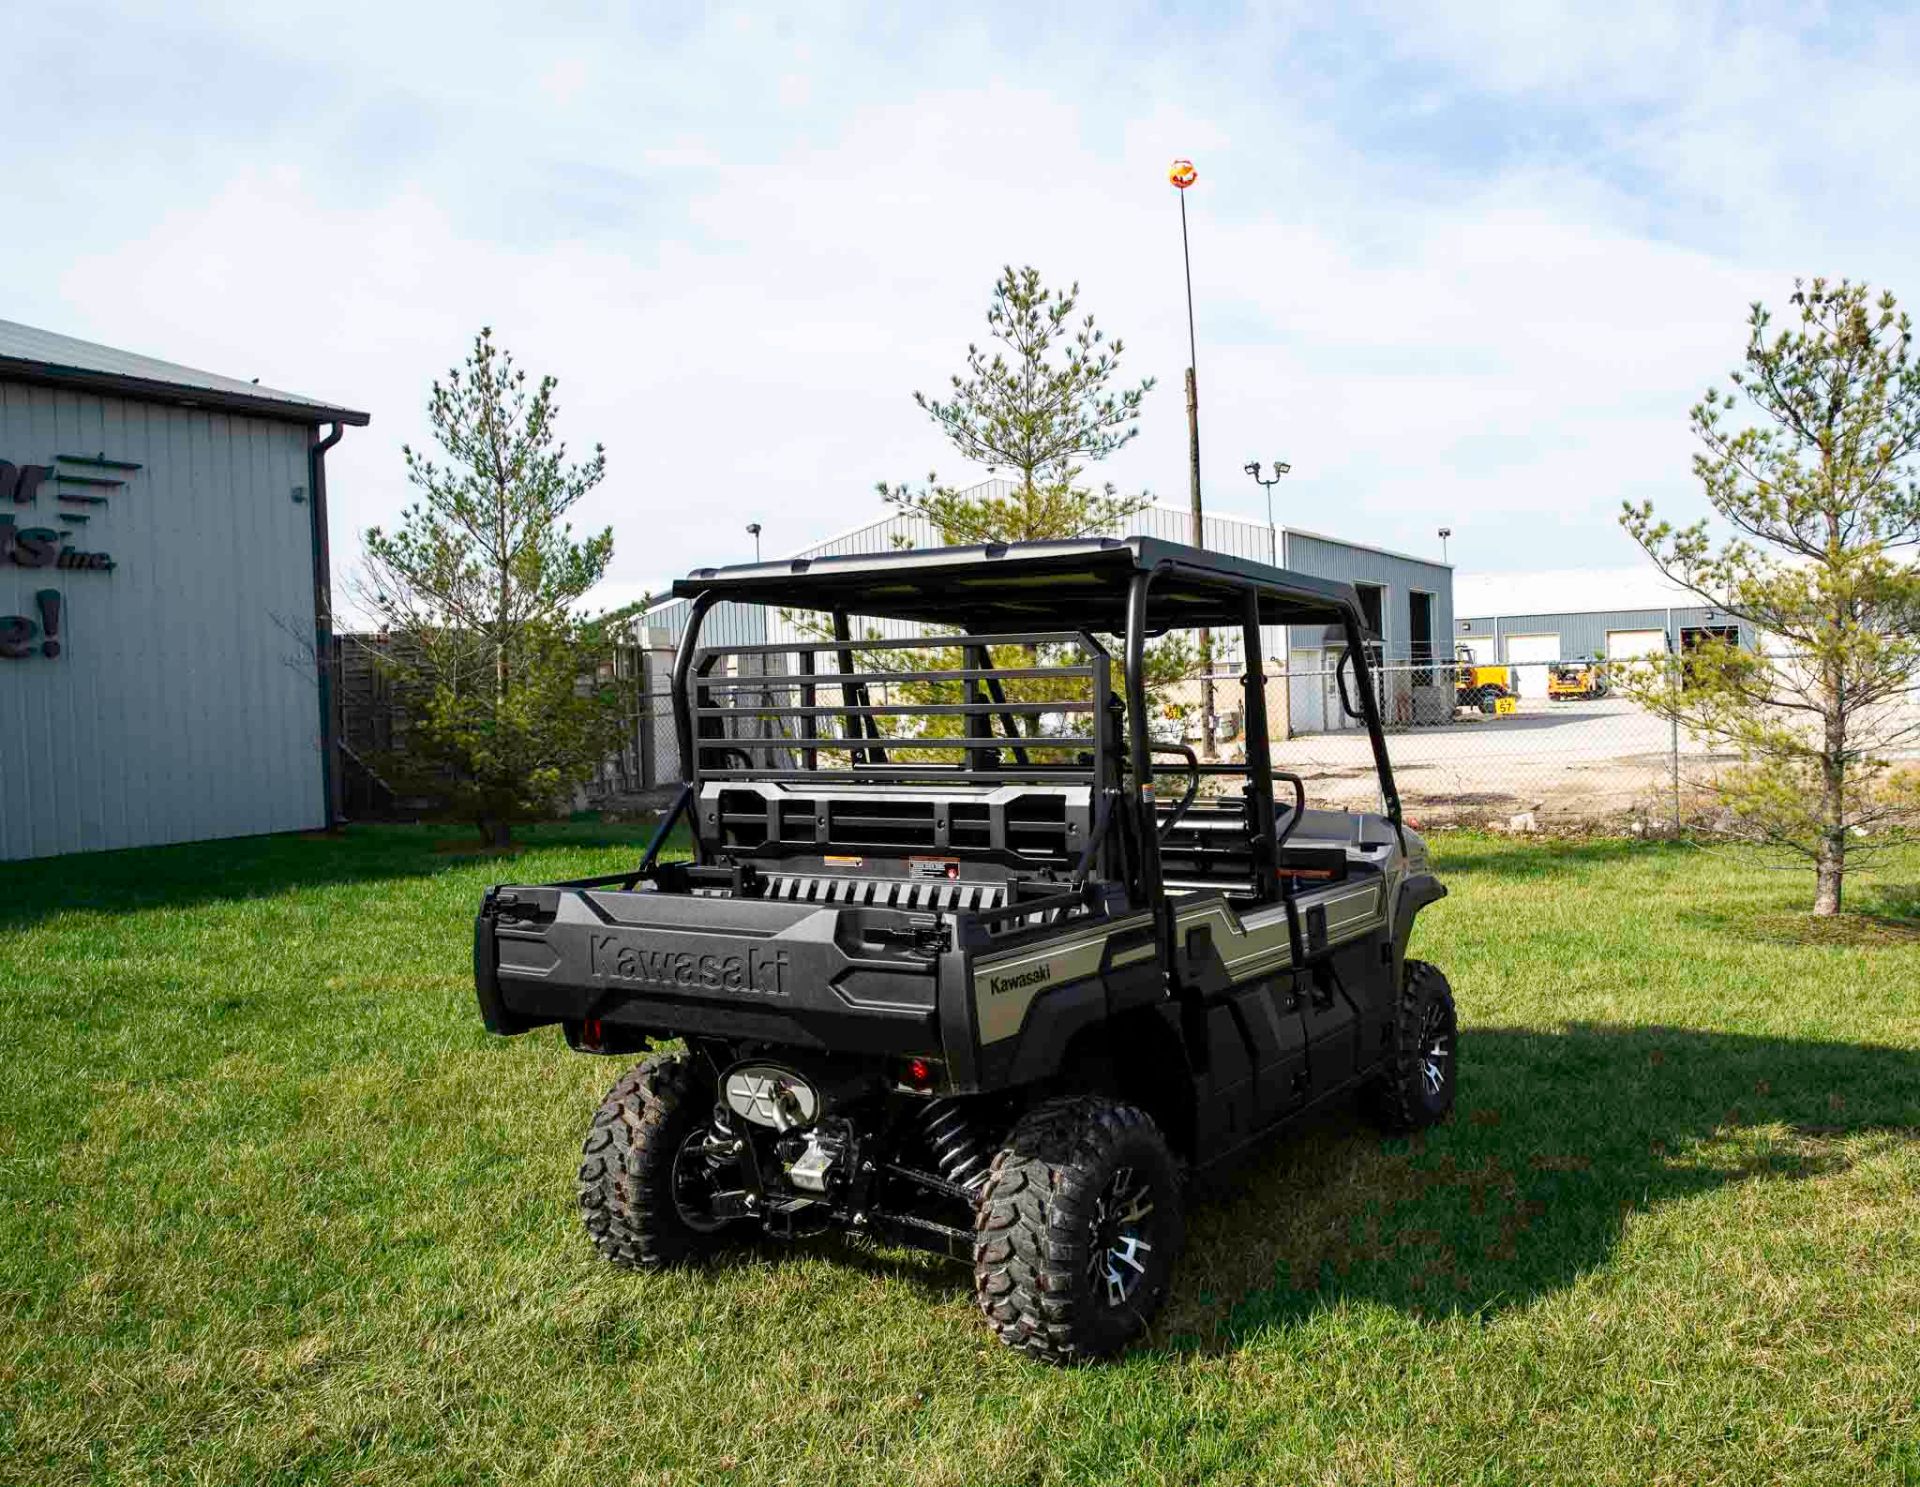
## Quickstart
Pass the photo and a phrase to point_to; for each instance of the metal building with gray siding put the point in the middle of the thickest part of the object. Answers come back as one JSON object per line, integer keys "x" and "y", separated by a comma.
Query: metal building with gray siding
{"x": 1528, "y": 643}
{"x": 164, "y": 594}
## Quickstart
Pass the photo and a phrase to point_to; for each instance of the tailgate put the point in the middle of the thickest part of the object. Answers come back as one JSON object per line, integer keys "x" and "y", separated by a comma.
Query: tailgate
{"x": 812, "y": 975}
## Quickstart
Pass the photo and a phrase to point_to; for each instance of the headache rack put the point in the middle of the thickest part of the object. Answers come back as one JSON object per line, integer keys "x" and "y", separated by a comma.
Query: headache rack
{"x": 989, "y": 748}
{"x": 934, "y": 721}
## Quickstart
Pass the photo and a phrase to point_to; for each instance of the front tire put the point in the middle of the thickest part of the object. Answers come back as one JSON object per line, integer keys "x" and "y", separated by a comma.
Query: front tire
{"x": 1416, "y": 1090}
{"x": 1077, "y": 1230}
{"x": 641, "y": 1171}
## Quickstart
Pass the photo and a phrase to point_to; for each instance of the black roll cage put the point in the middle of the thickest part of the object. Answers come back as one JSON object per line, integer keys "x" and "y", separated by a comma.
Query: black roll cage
{"x": 957, "y": 587}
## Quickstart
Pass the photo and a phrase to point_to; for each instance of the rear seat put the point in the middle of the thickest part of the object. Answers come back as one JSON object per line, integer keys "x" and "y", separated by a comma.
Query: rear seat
{"x": 1208, "y": 849}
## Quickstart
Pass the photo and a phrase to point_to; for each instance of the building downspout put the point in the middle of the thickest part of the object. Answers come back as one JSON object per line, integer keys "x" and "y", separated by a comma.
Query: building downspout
{"x": 330, "y": 784}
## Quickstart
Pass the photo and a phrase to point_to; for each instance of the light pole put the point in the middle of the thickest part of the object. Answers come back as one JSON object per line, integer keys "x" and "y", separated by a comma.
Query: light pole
{"x": 1182, "y": 175}
{"x": 1280, "y": 468}
{"x": 753, "y": 531}
{"x": 1445, "y": 533}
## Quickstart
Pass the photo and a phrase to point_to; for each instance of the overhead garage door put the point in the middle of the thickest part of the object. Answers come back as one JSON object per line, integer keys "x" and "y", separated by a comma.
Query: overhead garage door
{"x": 1480, "y": 647}
{"x": 1626, "y": 645}
{"x": 1528, "y": 655}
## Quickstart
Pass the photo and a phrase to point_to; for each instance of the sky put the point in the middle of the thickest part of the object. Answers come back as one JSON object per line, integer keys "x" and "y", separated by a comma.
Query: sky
{"x": 1462, "y": 266}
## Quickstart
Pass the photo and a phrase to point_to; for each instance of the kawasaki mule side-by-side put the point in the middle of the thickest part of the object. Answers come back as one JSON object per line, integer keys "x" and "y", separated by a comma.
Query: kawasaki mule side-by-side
{"x": 964, "y": 958}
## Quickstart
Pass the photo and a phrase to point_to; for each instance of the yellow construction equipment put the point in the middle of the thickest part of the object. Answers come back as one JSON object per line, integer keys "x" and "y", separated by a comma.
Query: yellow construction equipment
{"x": 1576, "y": 681}
{"x": 1477, "y": 686}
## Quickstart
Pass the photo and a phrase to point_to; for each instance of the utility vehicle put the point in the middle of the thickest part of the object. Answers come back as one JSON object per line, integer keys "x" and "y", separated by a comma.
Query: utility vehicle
{"x": 964, "y": 957}
{"x": 1576, "y": 681}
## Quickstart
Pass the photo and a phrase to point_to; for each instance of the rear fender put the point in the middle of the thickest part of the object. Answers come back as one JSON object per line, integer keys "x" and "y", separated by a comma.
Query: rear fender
{"x": 1030, "y": 1001}
{"x": 1140, "y": 1057}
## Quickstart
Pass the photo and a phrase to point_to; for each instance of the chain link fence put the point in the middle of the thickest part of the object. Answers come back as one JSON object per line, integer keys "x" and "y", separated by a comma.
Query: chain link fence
{"x": 1543, "y": 747}
{"x": 1549, "y": 746}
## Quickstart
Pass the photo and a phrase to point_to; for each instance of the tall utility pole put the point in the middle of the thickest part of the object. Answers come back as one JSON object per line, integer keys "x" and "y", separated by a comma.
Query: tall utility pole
{"x": 1182, "y": 174}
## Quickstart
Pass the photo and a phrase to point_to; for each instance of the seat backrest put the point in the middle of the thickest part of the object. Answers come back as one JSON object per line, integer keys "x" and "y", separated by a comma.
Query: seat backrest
{"x": 1210, "y": 847}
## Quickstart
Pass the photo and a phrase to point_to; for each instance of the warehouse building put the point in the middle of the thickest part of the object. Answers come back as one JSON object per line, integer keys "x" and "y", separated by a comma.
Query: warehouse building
{"x": 1528, "y": 621}
{"x": 164, "y": 592}
{"x": 1408, "y": 603}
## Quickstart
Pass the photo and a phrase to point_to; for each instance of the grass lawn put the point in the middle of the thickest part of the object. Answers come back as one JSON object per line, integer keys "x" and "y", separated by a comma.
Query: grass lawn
{"x": 274, "y": 1208}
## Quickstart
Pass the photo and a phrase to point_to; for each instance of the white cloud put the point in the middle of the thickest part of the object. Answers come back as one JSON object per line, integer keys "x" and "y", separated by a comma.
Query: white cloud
{"x": 1631, "y": 50}
{"x": 740, "y": 280}
{"x": 565, "y": 79}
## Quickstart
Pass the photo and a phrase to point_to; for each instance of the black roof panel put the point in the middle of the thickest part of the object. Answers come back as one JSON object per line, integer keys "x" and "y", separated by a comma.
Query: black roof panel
{"x": 1079, "y": 583}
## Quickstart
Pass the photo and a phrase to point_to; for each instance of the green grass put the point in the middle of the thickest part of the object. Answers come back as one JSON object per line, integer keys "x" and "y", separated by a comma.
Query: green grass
{"x": 274, "y": 1208}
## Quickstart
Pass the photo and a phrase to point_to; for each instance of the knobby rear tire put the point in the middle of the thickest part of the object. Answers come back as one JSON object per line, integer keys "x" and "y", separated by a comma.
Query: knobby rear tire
{"x": 626, "y": 1166}
{"x": 1035, "y": 1229}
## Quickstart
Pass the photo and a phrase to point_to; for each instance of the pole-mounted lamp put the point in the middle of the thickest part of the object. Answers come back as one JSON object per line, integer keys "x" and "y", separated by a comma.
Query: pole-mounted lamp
{"x": 1181, "y": 175}
{"x": 1280, "y": 468}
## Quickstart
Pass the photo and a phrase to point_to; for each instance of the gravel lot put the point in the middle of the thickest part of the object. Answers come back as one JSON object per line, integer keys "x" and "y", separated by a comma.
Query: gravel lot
{"x": 1562, "y": 761}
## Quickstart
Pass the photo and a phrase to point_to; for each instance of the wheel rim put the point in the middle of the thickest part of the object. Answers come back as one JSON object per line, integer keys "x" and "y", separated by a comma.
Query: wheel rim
{"x": 1436, "y": 1049}
{"x": 694, "y": 1182}
{"x": 1121, "y": 1248}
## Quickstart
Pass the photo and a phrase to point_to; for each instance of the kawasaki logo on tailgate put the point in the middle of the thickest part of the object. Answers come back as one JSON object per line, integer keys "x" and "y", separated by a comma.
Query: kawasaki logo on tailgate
{"x": 612, "y": 958}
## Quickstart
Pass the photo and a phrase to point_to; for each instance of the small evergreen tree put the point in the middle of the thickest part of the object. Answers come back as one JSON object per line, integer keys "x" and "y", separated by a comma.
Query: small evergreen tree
{"x": 1824, "y": 501}
{"x": 511, "y": 698}
{"x": 1042, "y": 407}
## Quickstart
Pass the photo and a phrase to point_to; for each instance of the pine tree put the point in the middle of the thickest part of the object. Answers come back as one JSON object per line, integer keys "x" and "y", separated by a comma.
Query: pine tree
{"x": 1823, "y": 496}
{"x": 510, "y": 695}
{"x": 1042, "y": 407}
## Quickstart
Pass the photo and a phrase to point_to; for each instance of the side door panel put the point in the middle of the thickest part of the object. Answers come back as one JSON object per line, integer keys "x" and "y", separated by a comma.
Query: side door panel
{"x": 1339, "y": 925}
{"x": 1268, "y": 1013}
{"x": 1228, "y": 1113}
{"x": 1332, "y": 1031}
{"x": 1239, "y": 967}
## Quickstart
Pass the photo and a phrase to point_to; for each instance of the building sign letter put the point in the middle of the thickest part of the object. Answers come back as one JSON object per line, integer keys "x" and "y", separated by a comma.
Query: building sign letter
{"x": 35, "y": 547}
{"x": 21, "y": 483}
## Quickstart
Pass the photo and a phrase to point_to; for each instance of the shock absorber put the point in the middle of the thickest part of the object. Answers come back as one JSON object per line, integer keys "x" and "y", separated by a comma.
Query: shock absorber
{"x": 957, "y": 1149}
